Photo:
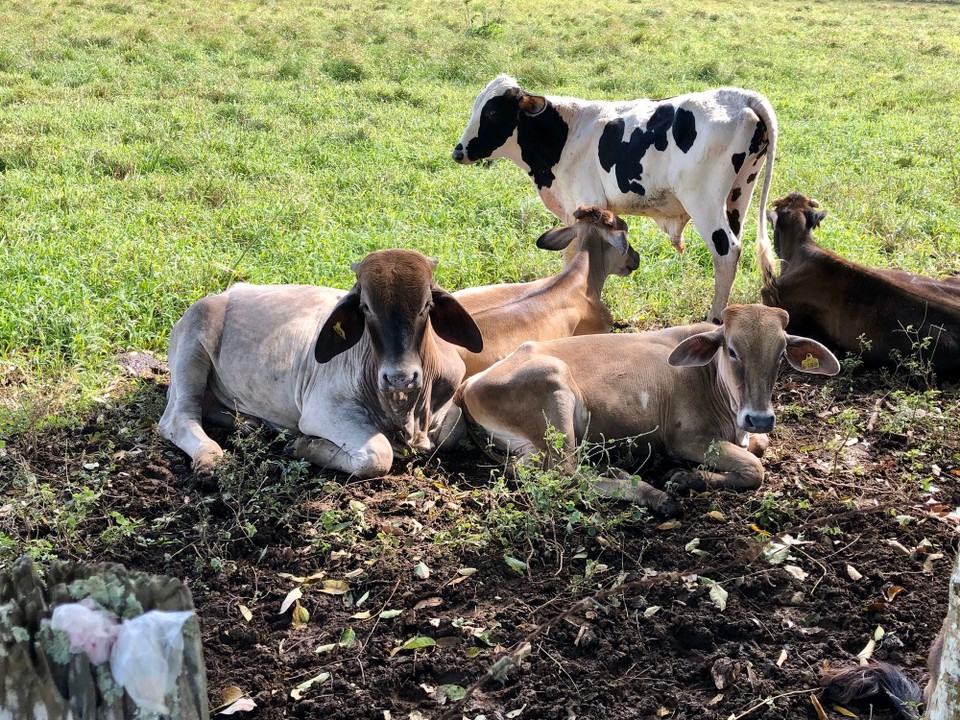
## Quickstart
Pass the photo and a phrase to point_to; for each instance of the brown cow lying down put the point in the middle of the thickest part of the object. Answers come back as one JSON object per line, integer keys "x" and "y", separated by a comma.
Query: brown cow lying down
{"x": 699, "y": 393}
{"x": 558, "y": 306}
{"x": 837, "y": 301}
{"x": 351, "y": 371}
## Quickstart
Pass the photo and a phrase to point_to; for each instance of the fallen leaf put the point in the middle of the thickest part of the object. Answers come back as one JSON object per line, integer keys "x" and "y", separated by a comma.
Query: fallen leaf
{"x": 230, "y": 694}
{"x": 890, "y": 591}
{"x": 245, "y": 612}
{"x": 878, "y": 634}
{"x": 334, "y": 587}
{"x": 516, "y": 713}
{"x": 867, "y": 651}
{"x": 843, "y": 711}
{"x": 782, "y": 659}
{"x": 668, "y": 525}
{"x": 388, "y": 614}
{"x": 415, "y": 643}
{"x": 290, "y": 599}
{"x": 652, "y": 610}
{"x": 514, "y": 564}
{"x": 363, "y": 599}
{"x": 365, "y": 615}
{"x": 326, "y": 648}
{"x": 898, "y": 546}
{"x": 821, "y": 715}
{"x": 692, "y": 545}
{"x": 243, "y": 704}
{"x": 428, "y": 603}
{"x": 466, "y": 571}
{"x": 421, "y": 571}
{"x": 297, "y": 692}
{"x": 719, "y": 596}
{"x": 450, "y": 692}
{"x": 852, "y": 572}
{"x": 348, "y": 637}
{"x": 928, "y": 563}
{"x": 717, "y": 516}
{"x": 354, "y": 573}
{"x": 796, "y": 572}
{"x": 716, "y": 699}
{"x": 471, "y": 652}
{"x": 301, "y": 616}
{"x": 663, "y": 712}
{"x": 775, "y": 553}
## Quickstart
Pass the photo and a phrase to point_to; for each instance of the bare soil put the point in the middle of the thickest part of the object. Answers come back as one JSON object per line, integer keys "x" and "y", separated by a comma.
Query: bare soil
{"x": 865, "y": 476}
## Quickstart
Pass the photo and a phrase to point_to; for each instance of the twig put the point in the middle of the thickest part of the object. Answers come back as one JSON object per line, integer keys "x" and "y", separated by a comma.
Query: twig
{"x": 770, "y": 701}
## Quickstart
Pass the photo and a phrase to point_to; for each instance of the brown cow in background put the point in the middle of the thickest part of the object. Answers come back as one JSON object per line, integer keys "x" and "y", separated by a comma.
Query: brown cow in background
{"x": 861, "y": 310}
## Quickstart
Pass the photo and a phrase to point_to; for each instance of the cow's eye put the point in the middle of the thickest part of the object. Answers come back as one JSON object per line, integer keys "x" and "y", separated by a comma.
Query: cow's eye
{"x": 427, "y": 307}
{"x": 733, "y": 355}
{"x": 364, "y": 309}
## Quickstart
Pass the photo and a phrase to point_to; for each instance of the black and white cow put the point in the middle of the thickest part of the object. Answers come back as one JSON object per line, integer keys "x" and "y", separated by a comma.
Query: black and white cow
{"x": 693, "y": 156}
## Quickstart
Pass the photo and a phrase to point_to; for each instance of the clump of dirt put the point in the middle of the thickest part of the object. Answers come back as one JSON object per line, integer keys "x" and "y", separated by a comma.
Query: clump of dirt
{"x": 415, "y": 589}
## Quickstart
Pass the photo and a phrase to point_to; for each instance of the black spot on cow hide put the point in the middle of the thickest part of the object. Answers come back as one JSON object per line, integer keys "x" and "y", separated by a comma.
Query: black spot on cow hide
{"x": 751, "y": 177}
{"x": 733, "y": 217}
{"x": 498, "y": 120}
{"x": 541, "y": 138}
{"x": 721, "y": 242}
{"x": 612, "y": 150}
{"x": 737, "y": 161}
{"x": 735, "y": 195}
{"x": 684, "y": 129}
{"x": 759, "y": 140}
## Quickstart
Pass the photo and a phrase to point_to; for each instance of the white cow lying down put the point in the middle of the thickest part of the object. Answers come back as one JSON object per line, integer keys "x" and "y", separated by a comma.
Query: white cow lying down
{"x": 698, "y": 393}
{"x": 352, "y": 371}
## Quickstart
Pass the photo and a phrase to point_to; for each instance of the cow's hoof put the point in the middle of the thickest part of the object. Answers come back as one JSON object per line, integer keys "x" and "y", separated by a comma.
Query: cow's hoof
{"x": 684, "y": 481}
{"x": 206, "y": 462}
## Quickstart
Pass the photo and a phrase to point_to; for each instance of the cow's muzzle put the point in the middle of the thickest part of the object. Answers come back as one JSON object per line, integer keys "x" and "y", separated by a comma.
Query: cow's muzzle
{"x": 755, "y": 421}
{"x": 458, "y": 154}
{"x": 400, "y": 384}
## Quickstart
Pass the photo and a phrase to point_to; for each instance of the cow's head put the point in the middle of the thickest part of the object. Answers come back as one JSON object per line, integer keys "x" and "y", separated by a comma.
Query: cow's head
{"x": 749, "y": 345}
{"x": 397, "y": 302}
{"x": 496, "y": 113}
{"x": 794, "y": 218}
{"x": 602, "y": 234}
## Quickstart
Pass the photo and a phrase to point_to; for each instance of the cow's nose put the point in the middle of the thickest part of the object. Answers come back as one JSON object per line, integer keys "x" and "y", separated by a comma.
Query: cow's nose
{"x": 757, "y": 422}
{"x": 458, "y": 152}
{"x": 401, "y": 379}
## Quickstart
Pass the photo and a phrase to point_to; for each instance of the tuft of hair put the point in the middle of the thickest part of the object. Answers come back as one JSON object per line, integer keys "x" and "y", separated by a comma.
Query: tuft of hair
{"x": 595, "y": 214}
{"x": 795, "y": 201}
{"x": 875, "y": 681}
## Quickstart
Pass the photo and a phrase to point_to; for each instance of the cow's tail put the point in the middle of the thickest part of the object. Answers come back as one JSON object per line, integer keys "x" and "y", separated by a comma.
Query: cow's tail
{"x": 766, "y": 260}
{"x": 875, "y": 680}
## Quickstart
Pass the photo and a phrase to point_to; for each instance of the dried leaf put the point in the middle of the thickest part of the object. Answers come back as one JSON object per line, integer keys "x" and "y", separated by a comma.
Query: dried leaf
{"x": 301, "y": 616}
{"x": 843, "y": 711}
{"x": 415, "y": 643}
{"x": 878, "y": 634}
{"x": 466, "y": 571}
{"x": 669, "y": 525}
{"x": 852, "y": 572}
{"x": 243, "y": 704}
{"x": 471, "y": 652}
{"x": 290, "y": 599}
{"x": 297, "y": 692}
{"x": 421, "y": 571}
{"x": 796, "y": 572}
{"x": 326, "y": 648}
{"x": 387, "y": 614}
{"x": 334, "y": 587}
{"x": 348, "y": 637}
{"x": 652, "y": 610}
{"x": 928, "y": 563}
{"x": 245, "y": 612}
{"x": 775, "y": 553}
{"x": 354, "y": 573}
{"x": 428, "y": 603}
{"x": 891, "y": 591}
{"x": 783, "y": 658}
{"x": 692, "y": 545}
{"x": 450, "y": 692}
{"x": 898, "y": 546}
{"x": 516, "y": 713}
{"x": 663, "y": 712}
{"x": 363, "y": 599}
{"x": 715, "y": 700}
{"x": 717, "y": 516}
{"x": 867, "y": 651}
{"x": 365, "y": 615}
{"x": 821, "y": 715}
{"x": 230, "y": 694}
{"x": 514, "y": 564}
{"x": 719, "y": 596}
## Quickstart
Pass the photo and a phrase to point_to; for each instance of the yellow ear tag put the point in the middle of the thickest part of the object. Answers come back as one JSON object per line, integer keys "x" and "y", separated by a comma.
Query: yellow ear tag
{"x": 810, "y": 362}
{"x": 343, "y": 336}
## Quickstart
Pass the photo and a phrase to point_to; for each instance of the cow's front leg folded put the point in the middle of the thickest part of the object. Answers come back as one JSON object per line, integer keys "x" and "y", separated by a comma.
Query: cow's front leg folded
{"x": 371, "y": 458}
{"x": 621, "y": 485}
{"x": 724, "y": 465}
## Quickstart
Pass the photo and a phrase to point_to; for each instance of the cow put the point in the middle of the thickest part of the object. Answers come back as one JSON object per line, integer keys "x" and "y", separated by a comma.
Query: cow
{"x": 853, "y": 308}
{"x": 697, "y": 393}
{"x": 558, "y": 306}
{"x": 349, "y": 372}
{"x": 693, "y": 156}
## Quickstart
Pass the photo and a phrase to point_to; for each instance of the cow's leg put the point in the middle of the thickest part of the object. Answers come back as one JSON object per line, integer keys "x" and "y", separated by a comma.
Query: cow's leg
{"x": 724, "y": 465}
{"x": 711, "y": 221}
{"x": 522, "y": 397}
{"x": 757, "y": 444}
{"x": 190, "y": 368}
{"x": 358, "y": 451}
{"x": 216, "y": 413}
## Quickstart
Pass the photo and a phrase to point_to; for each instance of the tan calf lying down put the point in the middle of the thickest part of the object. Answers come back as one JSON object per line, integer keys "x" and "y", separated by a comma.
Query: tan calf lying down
{"x": 355, "y": 372}
{"x": 555, "y": 307}
{"x": 699, "y": 393}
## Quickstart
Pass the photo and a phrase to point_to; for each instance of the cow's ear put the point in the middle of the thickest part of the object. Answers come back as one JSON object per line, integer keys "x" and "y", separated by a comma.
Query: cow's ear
{"x": 556, "y": 239}
{"x": 533, "y": 104}
{"x": 814, "y": 217}
{"x": 342, "y": 329}
{"x": 452, "y": 322}
{"x": 809, "y": 356}
{"x": 697, "y": 349}
{"x": 617, "y": 238}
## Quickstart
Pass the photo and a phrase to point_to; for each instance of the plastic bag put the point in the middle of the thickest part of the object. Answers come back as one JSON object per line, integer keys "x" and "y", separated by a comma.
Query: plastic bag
{"x": 147, "y": 657}
{"x": 90, "y": 629}
{"x": 145, "y": 652}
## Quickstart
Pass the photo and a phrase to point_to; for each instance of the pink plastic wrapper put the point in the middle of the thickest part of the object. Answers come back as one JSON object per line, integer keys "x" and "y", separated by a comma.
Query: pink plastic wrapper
{"x": 91, "y": 630}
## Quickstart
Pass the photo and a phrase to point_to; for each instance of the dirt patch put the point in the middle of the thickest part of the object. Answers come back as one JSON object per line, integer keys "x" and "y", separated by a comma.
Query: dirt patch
{"x": 861, "y": 474}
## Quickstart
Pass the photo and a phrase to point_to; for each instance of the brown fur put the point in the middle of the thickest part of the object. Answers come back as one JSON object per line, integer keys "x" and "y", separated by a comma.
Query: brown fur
{"x": 837, "y": 301}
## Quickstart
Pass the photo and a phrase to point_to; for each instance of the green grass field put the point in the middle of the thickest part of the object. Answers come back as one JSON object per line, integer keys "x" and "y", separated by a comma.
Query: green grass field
{"x": 153, "y": 152}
